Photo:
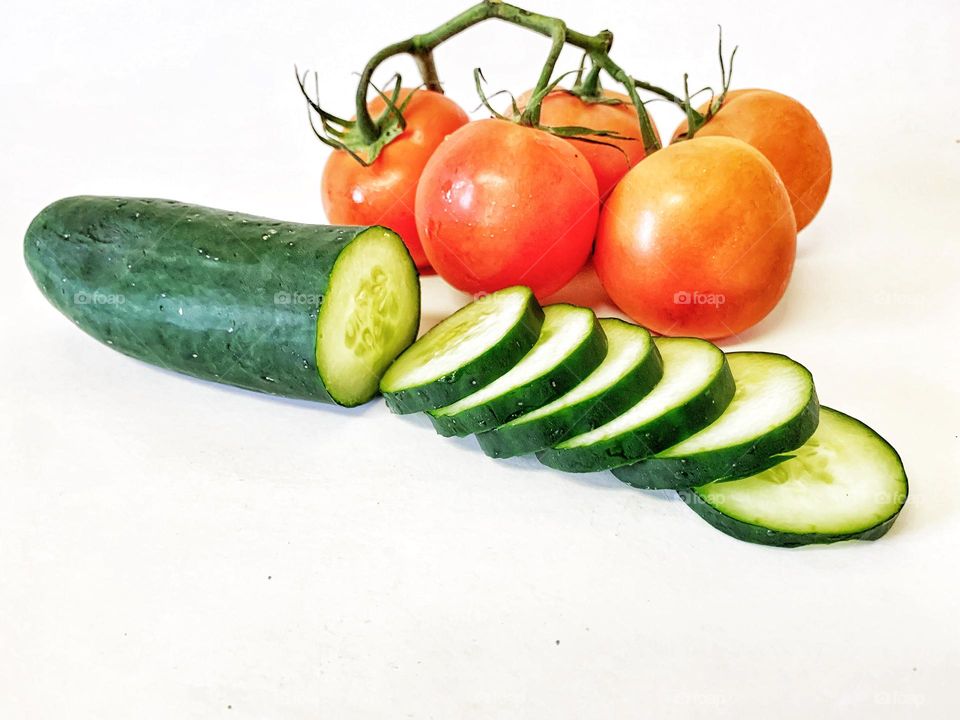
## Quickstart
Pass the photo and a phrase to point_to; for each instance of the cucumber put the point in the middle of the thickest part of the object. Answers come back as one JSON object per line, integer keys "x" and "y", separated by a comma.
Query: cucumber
{"x": 629, "y": 371}
{"x": 845, "y": 483}
{"x": 773, "y": 411}
{"x": 304, "y": 311}
{"x": 695, "y": 389}
{"x": 570, "y": 347}
{"x": 464, "y": 352}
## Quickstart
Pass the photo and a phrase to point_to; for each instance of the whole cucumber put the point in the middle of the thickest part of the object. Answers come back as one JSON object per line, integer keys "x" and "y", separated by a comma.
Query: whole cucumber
{"x": 304, "y": 311}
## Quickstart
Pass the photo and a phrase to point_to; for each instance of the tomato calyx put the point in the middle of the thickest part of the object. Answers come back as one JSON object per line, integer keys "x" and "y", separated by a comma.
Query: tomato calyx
{"x": 347, "y": 135}
{"x": 521, "y": 116}
{"x": 695, "y": 119}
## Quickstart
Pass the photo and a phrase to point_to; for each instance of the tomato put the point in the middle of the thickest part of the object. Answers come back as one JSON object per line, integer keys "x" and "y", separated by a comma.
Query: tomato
{"x": 500, "y": 204}
{"x": 789, "y": 136}
{"x": 384, "y": 192}
{"x": 698, "y": 239}
{"x": 609, "y": 164}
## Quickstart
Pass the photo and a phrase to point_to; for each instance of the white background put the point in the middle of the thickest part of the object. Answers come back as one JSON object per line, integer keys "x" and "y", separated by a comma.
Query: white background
{"x": 174, "y": 549}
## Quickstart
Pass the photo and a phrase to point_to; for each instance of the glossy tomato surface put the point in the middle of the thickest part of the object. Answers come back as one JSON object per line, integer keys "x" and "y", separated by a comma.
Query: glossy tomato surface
{"x": 698, "y": 239}
{"x": 787, "y": 134}
{"x": 384, "y": 192}
{"x": 561, "y": 108}
{"x": 500, "y": 204}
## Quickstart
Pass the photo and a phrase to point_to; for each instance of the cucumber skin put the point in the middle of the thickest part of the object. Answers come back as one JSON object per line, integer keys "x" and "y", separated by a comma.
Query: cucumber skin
{"x": 749, "y": 458}
{"x": 479, "y": 372}
{"x": 546, "y": 388}
{"x": 661, "y": 433}
{"x": 592, "y": 412}
{"x": 763, "y": 536}
{"x": 225, "y": 270}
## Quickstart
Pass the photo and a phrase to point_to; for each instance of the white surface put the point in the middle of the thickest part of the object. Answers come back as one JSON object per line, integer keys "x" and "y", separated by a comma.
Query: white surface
{"x": 173, "y": 549}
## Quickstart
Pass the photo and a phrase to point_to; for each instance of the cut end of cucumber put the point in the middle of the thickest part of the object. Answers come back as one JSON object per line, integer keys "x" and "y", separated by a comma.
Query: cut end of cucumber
{"x": 369, "y": 315}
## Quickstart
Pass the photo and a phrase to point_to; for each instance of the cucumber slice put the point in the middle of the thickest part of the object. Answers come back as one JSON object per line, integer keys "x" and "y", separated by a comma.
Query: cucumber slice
{"x": 845, "y": 483}
{"x": 629, "y": 371}
{"x": 695, "y": 389}
{"x": 464, "y": 352}
{"x": 571, "y": 346}
{"x": 773, "y": 411}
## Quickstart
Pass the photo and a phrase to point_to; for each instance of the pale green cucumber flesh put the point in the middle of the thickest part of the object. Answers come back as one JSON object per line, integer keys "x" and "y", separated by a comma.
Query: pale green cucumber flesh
{"x": 846, "y": 482}
{"x": 695, "y": 389}
{"x": 368, "y": 316}
{"x": 773, "y": 411}
{"x": 629, "y": 370}
{"x": 570, "y": 347}
{"x": 464, "y": 352}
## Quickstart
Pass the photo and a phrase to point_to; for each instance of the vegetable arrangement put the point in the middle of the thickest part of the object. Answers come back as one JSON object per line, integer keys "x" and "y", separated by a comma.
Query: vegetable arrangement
{"x": 698, "y": 238}
{"x": 695, "y": 241}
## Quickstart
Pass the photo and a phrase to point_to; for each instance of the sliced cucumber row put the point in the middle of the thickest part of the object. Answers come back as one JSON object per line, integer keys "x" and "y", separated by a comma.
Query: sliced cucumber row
{"x": 629, "y": 371}
{"x": 571, "y": 345}
{"x": 773, "y": 411}
{"x": 695, "y": 389}
{"x": 736, "y": 435}
{"x": 845, "y": 483}
{"x": 464, "y": 352}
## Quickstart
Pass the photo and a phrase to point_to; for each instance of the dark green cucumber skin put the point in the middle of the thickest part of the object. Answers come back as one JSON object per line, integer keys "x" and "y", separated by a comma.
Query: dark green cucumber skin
{"x": 227, "y": 272}
{"x": 546, "y": 388}
{"x": 659, "y": 434}
{"x": 736, "y": 461}
{"x": 477, "y": 373}
{"x": 749, "y": 532}
{"x": 529, "y": 437}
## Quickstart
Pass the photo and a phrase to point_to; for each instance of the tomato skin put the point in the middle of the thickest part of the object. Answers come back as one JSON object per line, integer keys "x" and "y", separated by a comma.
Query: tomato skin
{"x": 499, "y": 204}
{"x": 384, "y": 192}
{"x": 609, "y": 164}
{"x": 787, "y": 134}
{"x": 699, "y": 239}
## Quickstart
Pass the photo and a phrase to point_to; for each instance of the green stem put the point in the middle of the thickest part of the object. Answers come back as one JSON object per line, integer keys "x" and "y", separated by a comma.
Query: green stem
{"x": 589, "y": 87}
{"x": 428, "y": 71}
{"x": 597, "y": 46}
{"x": 531, "y": 115}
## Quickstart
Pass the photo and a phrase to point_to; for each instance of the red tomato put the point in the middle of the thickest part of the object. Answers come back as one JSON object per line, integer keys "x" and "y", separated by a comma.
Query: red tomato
{"x": 384, "y": 192}
{"x": 698, "y": 239}
{"x": 500, "y": 204}
{"x": 609, "y": 164}
{"x": 787, "y": 134}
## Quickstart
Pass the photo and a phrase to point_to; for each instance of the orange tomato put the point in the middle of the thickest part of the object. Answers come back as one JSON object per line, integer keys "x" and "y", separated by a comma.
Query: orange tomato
{"x": 500, "y": 204}
{"x": 384, "y": 192}
{"x": 787, "y": 134}
{"x": 698, "y": 239}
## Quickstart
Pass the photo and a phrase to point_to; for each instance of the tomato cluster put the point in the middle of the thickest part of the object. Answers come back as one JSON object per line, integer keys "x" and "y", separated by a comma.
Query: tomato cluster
{"x": 698, "y": 238}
